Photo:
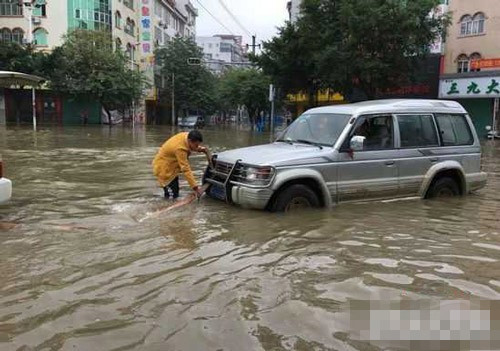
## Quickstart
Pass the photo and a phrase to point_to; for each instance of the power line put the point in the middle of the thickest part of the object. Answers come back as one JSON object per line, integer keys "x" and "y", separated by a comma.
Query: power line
{"x": 215, "y": 18}
{"x": 235, "y": 19}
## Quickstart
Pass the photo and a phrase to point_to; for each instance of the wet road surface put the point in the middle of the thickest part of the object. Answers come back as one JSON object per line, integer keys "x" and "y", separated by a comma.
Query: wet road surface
{"x": 86, "y": 269}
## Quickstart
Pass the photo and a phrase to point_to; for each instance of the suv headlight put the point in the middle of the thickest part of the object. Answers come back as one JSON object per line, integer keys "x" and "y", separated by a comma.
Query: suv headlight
{"x": 252, "y": 175}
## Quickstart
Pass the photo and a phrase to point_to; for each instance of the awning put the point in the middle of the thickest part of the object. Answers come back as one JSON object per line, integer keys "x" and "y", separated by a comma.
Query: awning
{"x": 9, "y": 79}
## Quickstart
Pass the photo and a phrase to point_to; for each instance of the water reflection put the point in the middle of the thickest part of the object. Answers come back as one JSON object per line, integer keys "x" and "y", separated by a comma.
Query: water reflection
{"x": 80, "y": 271}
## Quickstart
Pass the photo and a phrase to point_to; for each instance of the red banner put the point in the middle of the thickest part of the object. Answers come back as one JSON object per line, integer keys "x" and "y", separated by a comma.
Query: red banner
{"x": 485, "y": 63}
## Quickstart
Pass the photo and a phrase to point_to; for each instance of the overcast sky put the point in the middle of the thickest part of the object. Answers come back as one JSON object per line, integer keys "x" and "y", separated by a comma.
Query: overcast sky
{"x": 260, "y": 17}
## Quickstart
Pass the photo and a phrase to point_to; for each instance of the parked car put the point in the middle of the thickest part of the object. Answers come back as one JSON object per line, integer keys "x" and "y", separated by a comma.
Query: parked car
{"x": 192, "y": 122}
{"x": 5, "y": 186}
{"x": 369, "y": 150}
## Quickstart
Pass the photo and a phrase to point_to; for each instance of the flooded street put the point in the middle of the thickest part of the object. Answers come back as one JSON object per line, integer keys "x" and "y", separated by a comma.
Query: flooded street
{"x": 85, "y": 269}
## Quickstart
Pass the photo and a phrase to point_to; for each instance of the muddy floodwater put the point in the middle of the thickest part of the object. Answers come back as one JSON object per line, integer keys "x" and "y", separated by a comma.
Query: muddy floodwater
{"x": 85, "y": 268}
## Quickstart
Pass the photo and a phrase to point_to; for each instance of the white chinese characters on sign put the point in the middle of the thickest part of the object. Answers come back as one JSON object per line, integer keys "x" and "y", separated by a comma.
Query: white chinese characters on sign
{"x": 480, "y": 87}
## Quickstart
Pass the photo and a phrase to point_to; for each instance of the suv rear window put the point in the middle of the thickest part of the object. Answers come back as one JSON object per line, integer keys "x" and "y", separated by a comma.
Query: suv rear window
{"x": 417, "y": 131}
{"x": 454, "y": 129}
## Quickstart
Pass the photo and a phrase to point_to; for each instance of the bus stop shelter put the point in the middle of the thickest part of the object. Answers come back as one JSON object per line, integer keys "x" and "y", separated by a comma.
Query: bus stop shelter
{"x": 10, "y": 79}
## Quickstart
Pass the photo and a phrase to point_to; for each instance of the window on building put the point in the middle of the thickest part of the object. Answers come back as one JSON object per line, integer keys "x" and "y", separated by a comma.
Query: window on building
{"x": 474, "y": 57}
{"x": 10, "y": 8}
{"x": 462, "y": 64}
{"x": 466, "y": 25}
{"x": 17, "y": 35}
{"x": 118, "y": 19}
{"x": 168, "y": 17}
{"x": 129, "y": 51}
{"x": 158, "y": 33}
{"x": 417, "y": 131}
{"x": 6, "y": 35}
{"x": 158, "y": 8}
{"x": 454, "y": 130}
{"x": 118, "y": 44}
{"x": 472, "y": 25}
{"x": 78, "y": 13}
{"x": 130, "y": 26}
{"x": 40, "y": 37}
{"x": 129, "y": 4}
{"x": 39, "y": 8}
{"x": 226, "y": 47}
{"x": 478, "y": 23}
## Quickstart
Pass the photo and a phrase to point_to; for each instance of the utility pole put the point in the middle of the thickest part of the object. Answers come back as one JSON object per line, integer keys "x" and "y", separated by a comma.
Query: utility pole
{"x": 271, "y": 99}
{"x": 28, "y": 7}
{"x": 495, "y": 116}
{"x": 173, "y": 99}
{"x": 253, "y": 46}
{"x": 133, "y": 100}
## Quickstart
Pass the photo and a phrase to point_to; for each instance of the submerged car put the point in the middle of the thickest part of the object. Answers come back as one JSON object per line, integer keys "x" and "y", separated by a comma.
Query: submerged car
{"x": 192, "y": 122}
{"x": 370, "y": 150}
{"x": 5, "y": 186}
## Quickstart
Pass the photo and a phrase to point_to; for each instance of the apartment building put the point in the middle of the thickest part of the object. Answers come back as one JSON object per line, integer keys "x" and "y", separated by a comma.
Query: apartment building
{"x": 221, "y": 51}
{"x": 471, "y": 65}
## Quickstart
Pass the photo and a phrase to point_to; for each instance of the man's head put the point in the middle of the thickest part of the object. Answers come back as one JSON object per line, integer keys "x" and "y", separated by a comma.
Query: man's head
{"x": 194, "y": 139}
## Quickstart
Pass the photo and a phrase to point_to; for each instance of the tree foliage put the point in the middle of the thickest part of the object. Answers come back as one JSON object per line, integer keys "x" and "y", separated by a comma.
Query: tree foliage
{"x": 194, "y": 84}
{"x": 248, "y": 87}
{"x": 87, "y": 64}
{"x": 346, "y": 45}
{"x": 21, "y": 58}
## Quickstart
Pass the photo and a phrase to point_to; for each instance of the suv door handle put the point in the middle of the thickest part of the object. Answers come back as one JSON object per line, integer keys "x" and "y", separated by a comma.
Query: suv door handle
{"x": 434, "y": 159}
{"x": 390, "y": 163}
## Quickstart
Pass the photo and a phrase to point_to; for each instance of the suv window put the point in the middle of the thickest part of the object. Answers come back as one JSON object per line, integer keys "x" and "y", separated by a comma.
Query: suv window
{"x": 417, "y": 131}
{"x": 454, "y": 130}
{"x": 378, "y": 131}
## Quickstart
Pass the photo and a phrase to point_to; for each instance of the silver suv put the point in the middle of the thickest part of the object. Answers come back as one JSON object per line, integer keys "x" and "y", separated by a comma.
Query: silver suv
{"x": 369, "y": 150}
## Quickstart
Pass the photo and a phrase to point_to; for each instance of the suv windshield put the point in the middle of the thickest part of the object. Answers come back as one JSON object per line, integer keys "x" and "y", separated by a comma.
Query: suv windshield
{"x": 318, "y": 129}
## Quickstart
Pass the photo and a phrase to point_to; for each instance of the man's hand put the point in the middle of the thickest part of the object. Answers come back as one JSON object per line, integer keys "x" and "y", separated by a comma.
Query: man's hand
{"x": 202, "y": 149}
{"x": 198, "y": 191}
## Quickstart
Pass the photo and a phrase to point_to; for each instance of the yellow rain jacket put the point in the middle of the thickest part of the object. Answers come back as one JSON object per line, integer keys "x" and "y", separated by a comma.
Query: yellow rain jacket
{"x": 172, "y": 159}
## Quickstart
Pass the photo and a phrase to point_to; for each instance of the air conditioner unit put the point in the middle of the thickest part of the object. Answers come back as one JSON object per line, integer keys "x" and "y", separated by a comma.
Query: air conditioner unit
{"x": 37, "y": 20}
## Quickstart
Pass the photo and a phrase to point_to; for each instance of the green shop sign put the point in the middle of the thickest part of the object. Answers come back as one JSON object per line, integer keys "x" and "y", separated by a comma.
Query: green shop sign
{"x": 480, "y": 87}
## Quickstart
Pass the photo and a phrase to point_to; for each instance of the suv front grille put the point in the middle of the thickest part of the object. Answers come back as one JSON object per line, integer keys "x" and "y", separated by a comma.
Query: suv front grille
{"x": 223, "y": 168}
{"x": 220, "y": 172}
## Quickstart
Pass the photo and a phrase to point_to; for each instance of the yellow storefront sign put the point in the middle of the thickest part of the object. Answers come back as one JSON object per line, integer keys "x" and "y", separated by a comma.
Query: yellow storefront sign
{"x": 322, "y": 97}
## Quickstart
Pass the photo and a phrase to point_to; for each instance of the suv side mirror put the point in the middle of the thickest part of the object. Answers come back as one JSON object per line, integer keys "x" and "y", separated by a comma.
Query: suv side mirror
{"x": 357, "y": 143}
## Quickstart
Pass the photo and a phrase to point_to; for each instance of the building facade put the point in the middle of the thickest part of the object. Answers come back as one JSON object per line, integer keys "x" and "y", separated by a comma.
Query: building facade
{"x": 222, "y": 51}
{"x": 471, "y": 66}
{"x": 138, "y": 27}
{"x": 49, "y": 22}
{"x": 293, "y": 8}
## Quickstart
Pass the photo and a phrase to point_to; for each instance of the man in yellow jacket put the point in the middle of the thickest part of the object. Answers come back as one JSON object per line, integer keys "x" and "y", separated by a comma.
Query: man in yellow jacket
{"x": 172, "y": 159}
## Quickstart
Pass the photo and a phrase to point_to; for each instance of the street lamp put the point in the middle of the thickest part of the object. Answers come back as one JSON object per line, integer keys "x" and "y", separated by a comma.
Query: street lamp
{"x": 28, "y": 8}
{"x": 132, "y": 67}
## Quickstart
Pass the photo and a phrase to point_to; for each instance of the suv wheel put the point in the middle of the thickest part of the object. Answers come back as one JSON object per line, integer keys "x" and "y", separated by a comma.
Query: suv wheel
{"x": 443, "y": 187}
{"x": 295, "y": 197}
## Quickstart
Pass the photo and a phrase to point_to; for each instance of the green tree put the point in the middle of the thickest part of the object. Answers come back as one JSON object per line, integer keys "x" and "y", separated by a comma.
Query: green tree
{"x": 243, "y": 86}
{"x": 21, "y": 58}
{"x": 194, "y": 84}
{"x": 345, "y": 45}
{"x": 87, "y": 64}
